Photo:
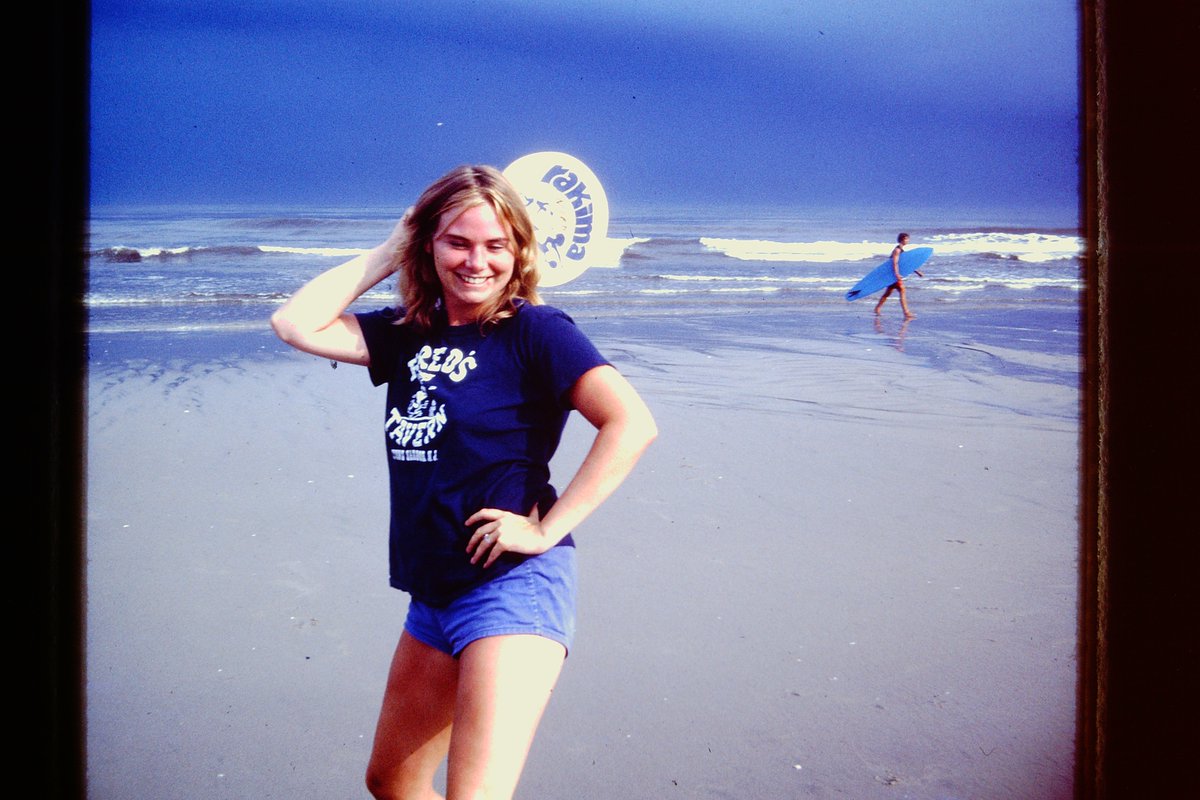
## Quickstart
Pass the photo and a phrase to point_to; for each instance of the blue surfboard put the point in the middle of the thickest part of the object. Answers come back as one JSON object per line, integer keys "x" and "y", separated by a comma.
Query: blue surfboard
{"x": 882, "y": 276}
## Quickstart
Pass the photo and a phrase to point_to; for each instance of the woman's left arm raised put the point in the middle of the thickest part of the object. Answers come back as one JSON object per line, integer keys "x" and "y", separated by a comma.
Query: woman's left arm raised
{"x": 624, "y": 429}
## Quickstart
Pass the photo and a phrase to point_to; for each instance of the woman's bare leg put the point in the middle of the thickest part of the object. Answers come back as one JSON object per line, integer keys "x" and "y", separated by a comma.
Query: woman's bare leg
{"x": 413, "y": 733}
{"x": 504, "y": 684}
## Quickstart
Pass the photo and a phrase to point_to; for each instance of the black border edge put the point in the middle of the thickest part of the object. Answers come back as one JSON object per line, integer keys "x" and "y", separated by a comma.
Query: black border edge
{"x": 56, "y": 130}
{"x": 1138, "y": 639}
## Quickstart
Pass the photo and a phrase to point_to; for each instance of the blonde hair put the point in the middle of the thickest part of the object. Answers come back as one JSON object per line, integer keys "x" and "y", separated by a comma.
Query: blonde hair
{"x": 420, "y": 290}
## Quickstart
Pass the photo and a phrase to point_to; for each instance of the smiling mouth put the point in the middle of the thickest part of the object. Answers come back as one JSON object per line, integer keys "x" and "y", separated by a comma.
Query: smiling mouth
{"x": 473, "y": 280}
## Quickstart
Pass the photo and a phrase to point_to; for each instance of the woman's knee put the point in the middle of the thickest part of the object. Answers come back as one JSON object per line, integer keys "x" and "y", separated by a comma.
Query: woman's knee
{"x": 379, "y": 787}
{"x": 388, "y": 784}
{"x": 413, "y": 731}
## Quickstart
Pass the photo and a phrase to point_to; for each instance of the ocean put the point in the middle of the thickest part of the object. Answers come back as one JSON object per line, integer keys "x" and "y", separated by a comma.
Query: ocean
{"x": 1003, "y": 288}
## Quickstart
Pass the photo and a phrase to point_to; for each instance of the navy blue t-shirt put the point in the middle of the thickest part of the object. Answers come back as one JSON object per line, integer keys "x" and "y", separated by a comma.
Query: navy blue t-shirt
{"x": 472, "y": 422}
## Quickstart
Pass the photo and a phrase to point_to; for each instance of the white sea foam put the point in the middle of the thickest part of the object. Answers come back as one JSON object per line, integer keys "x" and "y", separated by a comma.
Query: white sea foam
{"x": 175, "y": 327}
{"x": 340, "y": 252}
{"x": 965, "y": 285}
{"x": 1028, "y": 247}
{"x": 608, "y": 252}
{"x": 802, "y": 279}
{"x": 148, "y": 252}
{"x": 824, "y": 252}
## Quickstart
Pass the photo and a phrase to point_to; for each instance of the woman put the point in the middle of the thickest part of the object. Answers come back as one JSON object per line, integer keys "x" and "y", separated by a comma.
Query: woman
{"x": 481, "y": 378}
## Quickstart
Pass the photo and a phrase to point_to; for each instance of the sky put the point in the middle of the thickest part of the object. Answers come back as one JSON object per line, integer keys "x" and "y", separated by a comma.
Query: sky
{"x": 670, "y": 102}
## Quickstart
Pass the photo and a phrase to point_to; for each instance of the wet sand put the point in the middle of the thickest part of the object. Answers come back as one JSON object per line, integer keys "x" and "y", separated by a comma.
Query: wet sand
{"x": 847, "y": 568}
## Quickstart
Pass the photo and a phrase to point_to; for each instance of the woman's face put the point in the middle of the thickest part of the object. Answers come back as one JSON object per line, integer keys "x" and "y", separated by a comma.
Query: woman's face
{"x": 473, "y": 254}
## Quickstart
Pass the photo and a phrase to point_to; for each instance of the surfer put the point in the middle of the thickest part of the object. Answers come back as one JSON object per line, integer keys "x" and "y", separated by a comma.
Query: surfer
{"x": 901, "y": 242}
{"x": 481, "y": 377}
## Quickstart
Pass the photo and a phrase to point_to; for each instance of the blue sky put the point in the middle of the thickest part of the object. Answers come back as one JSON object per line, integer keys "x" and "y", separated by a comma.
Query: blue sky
{"x": 829, "y": 102}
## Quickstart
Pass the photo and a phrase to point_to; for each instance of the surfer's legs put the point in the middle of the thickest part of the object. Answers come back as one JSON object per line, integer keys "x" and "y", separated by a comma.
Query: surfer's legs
{"x": 904, "y": 301}
{"x": 504, "y": 685}
{"x": 413, "y": 733}
{"x": 899, "y": 288}
{"x": 886, "y": 293}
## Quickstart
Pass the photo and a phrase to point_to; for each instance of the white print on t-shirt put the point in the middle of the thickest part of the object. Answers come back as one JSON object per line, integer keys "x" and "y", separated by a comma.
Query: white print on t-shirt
{"x": 422, "y": 420}
{"x": 449, "y": 361}
{"x": 424, "y": 417}
{"x": 415, "y": 455}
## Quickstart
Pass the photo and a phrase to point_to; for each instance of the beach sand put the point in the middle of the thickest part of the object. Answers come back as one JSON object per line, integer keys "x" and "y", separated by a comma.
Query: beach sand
{"x": 847, "y": 568}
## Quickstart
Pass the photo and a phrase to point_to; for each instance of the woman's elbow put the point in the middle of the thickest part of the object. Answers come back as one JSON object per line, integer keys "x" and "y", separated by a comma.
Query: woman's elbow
{"x": 285, "y": 327}
{"x": 651, "y": 428}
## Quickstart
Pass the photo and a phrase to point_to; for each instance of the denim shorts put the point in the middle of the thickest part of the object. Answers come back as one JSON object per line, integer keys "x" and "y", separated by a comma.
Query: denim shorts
{"x": 535, "y": 597}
